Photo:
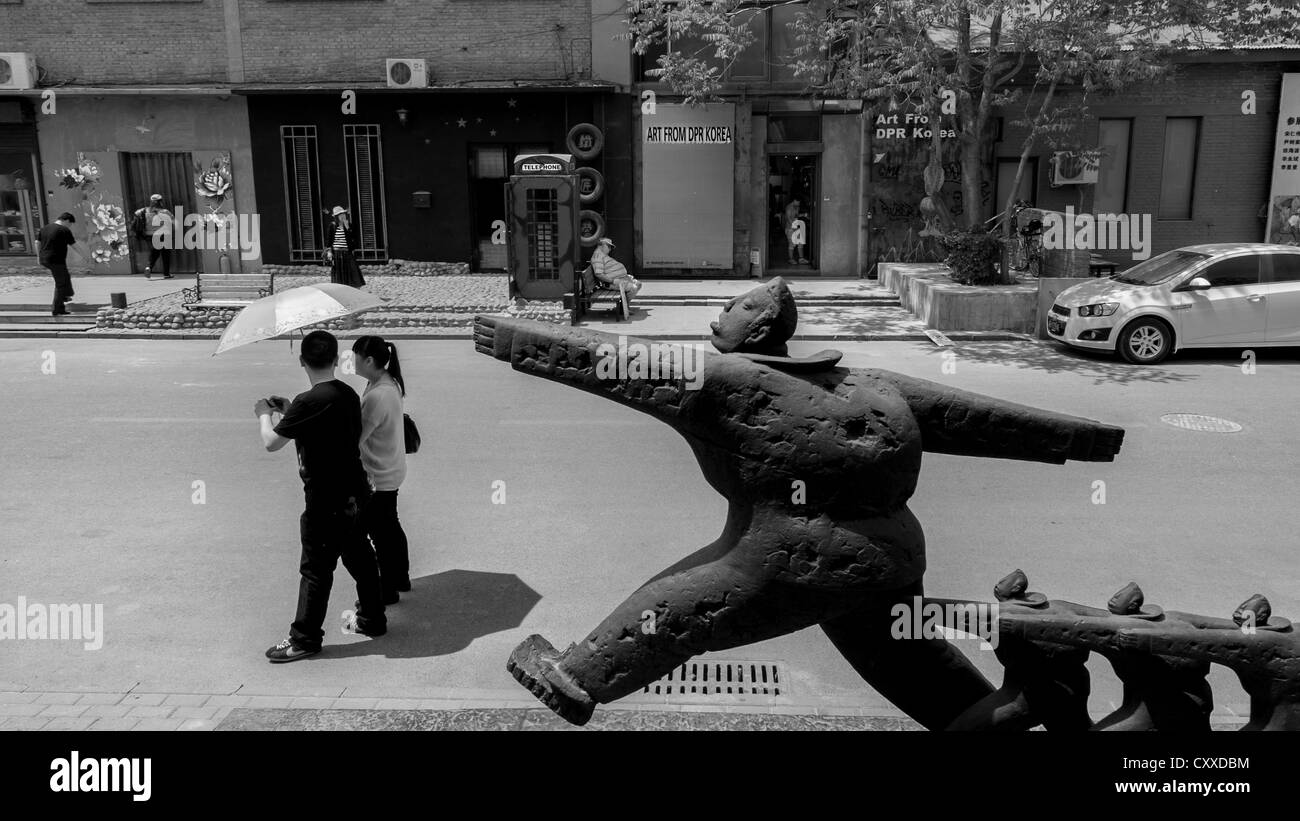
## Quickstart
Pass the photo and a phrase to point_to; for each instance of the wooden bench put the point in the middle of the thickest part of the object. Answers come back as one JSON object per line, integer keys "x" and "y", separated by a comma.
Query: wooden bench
{"x": 228, "y": 290}
{"x": 589, "y": 292}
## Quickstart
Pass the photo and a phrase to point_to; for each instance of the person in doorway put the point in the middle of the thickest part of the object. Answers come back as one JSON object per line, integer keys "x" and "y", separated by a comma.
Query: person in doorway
{"x": 53, "y": 242}
{"x": 153, "y": 227}
{"x": 383, "y": 452}
{"x": 612, "y": 272}
{"x": 343, "y": 264}
{"x": 793, "y": 231}
{"x": 324, "y": 424}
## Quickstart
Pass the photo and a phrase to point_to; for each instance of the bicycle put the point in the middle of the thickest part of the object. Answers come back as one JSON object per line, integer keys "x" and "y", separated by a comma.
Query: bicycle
{"x": 1026, "y": 250}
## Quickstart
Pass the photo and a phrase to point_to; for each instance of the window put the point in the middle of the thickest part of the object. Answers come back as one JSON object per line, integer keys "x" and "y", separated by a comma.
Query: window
{"x": 490, "y": 163}
{"x": 365, "y": 164}
{"x": 302, "y": 192}
{"x": 784, "y": 42}
{"x": 1007, "y": 175}
{"x": 1176, "y": 180}
{"x": 1285, "y": 267}
{"x": 752, "y": 62}
{"x": 794, "y": 129}
{"x": 541, "y": 220}
{"x": 1242, "y": 270}
{"x": 1111, "y": 193}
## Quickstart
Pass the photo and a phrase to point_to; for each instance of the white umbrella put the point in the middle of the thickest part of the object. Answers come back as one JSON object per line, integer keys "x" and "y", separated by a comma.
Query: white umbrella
{"x": 295, "y": 308}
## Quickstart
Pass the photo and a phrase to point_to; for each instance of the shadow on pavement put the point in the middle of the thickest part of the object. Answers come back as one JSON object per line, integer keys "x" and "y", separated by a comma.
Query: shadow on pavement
{"x": 1050, "y": 357}
{"x": 444, "y": 612}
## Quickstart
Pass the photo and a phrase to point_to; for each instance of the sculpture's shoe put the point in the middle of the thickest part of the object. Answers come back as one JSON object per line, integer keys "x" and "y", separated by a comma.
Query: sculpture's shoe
{"x": 533, "y": 664}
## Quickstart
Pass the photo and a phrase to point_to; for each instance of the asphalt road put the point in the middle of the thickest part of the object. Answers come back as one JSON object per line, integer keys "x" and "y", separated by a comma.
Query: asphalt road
{"x": 98, "y": 504}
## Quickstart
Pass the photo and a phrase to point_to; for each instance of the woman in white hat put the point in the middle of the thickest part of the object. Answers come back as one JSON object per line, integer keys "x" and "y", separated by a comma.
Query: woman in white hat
{"x": 611, "y": 271}
{"x": 343, "y": 265}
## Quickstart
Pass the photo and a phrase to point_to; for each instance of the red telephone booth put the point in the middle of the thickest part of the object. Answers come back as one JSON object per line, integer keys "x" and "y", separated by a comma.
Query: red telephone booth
{"x": 542, "y": 203}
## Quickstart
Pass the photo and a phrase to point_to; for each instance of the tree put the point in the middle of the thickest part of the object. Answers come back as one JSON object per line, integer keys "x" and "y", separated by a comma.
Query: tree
{"x": 982, "y": 57}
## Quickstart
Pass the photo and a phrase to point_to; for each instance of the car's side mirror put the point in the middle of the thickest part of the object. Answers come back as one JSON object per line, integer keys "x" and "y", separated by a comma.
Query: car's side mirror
{"x": 1195, "y": 284}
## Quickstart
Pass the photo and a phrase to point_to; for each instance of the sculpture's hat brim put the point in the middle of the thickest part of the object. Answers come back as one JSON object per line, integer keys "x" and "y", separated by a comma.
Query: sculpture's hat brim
{"x": 1275, "y": 623}
{"x": 1148, "y": 612}
{"x": 1030, "y": 600}
{"x": 820, "y": 361}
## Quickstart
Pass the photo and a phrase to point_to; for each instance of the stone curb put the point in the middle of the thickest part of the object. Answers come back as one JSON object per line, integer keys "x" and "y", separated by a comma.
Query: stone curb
{"x": 956, "y": 336}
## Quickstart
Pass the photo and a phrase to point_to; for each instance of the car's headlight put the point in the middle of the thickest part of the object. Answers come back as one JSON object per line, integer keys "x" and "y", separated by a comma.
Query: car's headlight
{"x": 1100, "y": 309}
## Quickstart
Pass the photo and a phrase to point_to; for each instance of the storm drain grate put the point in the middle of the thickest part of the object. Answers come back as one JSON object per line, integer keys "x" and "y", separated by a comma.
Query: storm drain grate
{"x": 721, "y": 678}
{"x": 1200, "y": 422}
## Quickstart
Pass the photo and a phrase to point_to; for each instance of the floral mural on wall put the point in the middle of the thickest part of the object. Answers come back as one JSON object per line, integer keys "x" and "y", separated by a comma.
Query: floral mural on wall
{"x": 106, "y": 221}
{"x": 214, "y": 185}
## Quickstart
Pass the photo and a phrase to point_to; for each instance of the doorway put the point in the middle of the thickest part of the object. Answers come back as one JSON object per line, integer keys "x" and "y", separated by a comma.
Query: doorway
{"x": 792, "y": 196}
{"x": 171, "y": 174}
{"x": 489, "y": 168}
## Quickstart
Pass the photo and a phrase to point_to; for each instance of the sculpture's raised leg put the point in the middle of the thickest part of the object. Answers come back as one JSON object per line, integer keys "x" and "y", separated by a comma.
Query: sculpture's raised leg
{"x": 727, "y": 595}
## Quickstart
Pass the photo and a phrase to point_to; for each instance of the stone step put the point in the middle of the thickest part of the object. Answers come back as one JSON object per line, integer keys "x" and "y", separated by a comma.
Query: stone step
{"x": 37, "y": 329}
{"x": 75, "y": 307}
{"x": 44, "y": 318}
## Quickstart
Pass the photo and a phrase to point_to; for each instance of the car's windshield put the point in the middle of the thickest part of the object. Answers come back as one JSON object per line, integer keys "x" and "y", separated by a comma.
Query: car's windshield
{"x": 1160, "y": 268}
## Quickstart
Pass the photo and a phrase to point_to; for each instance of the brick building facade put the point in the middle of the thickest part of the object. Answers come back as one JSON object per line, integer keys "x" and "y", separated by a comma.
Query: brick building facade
{"x": 158, "y": 89}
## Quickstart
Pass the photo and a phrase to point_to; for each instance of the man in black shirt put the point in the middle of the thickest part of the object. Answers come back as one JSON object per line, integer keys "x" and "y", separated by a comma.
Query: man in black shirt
{"x": 54, "y": 241}
{"x": 325, "y": 426}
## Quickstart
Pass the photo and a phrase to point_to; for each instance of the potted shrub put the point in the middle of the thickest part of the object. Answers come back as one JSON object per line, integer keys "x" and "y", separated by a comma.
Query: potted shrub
{"x": 975, "y": 257}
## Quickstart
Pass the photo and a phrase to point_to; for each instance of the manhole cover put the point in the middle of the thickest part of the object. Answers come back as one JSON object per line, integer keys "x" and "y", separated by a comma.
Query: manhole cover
{"x": 1200, "y": 422}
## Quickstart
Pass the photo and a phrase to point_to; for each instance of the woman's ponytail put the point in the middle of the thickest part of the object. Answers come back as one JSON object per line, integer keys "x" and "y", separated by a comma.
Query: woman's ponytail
{"x": 395, "y": 368}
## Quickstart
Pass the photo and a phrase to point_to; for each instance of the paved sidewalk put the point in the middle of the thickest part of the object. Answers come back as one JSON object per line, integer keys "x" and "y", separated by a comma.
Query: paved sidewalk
{"x": 170, "y": 712}
{"x": 95, "y": 291}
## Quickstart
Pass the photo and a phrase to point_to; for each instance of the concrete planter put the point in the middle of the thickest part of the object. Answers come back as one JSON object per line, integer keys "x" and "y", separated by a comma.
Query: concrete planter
{"x": 928, "y": 291}
{"x": 1062, "y": 264}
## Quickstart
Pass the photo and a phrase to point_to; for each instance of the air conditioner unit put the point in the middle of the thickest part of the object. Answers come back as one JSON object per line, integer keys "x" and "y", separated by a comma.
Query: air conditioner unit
{"x": 1074, "y": 168}
{"x": 17, "y": 70}
{"x": 405, "y": 73}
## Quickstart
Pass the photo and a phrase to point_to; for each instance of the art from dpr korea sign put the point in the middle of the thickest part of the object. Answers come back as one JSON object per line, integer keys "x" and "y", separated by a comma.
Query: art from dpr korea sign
{"x": 688, "y": 186}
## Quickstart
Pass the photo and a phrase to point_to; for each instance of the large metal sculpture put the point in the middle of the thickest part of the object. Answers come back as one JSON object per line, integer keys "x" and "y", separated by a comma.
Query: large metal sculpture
{"x": 817, "y": 464}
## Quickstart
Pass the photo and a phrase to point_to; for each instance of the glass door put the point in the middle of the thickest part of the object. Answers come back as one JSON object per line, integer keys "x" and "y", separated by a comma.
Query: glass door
{"x": 792, "y": 213}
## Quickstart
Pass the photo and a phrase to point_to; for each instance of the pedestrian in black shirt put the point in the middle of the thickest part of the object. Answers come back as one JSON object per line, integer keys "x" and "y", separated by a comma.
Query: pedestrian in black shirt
{"x": 54, "y": 240}
{"x": 325, "y": 426}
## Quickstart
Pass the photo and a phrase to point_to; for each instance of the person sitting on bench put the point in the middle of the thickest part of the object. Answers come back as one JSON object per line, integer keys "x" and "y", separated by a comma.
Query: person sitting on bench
{"x": 611, "y": 272}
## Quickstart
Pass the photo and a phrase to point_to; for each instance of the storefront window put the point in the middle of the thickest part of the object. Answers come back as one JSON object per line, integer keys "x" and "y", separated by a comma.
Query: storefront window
{"x": 20, "y": 217}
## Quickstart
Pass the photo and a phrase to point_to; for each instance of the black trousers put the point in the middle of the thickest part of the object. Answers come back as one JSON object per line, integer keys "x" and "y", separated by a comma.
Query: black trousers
{"x": 165, "y": 254}
{"x": 390, "y": 541}
{"x": 331, "y": 531}
{"x": 62, "y": 286}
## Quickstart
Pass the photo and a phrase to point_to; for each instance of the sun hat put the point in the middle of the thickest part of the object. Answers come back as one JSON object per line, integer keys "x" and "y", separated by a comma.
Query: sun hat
{"x": 338, "y": 209}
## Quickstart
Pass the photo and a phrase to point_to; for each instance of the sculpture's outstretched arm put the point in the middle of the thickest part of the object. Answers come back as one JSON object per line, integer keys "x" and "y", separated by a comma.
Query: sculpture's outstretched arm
{"x": 575, "y": 356}
{"x": 1099, "y": 632}
{"x": 1228, "y": 645}
{"x": 971, "y": 424}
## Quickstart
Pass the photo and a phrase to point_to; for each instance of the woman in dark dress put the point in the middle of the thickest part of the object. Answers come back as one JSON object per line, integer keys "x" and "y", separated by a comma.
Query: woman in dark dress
{"x": 343, "y": 242}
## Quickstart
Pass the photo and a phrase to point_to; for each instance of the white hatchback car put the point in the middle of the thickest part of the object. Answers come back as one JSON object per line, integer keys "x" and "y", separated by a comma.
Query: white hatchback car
{"x": 1202, "y": 296}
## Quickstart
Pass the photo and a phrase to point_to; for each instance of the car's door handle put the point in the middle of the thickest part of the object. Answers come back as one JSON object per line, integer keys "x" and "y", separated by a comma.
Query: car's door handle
{"x": 1255, "y": 298}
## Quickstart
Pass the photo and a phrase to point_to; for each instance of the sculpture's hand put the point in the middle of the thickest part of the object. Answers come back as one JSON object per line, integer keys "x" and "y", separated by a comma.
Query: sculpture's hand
{"x": 485, "y": 337}
{"x": 1097, "y": 443}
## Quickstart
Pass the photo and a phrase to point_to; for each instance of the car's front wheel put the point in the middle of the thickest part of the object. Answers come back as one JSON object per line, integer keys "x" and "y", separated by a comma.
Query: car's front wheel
{"x": 1145, "y": 341}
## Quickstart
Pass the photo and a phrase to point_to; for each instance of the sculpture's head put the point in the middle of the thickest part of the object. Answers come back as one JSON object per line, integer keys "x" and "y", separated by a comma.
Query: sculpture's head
{"x": 759, "y": 321}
